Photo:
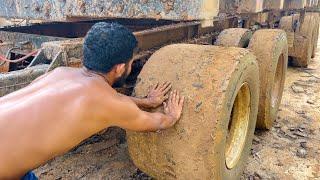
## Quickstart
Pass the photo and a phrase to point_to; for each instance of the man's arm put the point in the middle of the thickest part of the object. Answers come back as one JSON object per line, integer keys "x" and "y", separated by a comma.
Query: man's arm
{"x": 142, "y": 102}
{"x": 156, "y": 96}
{"x": 126, "y": 114}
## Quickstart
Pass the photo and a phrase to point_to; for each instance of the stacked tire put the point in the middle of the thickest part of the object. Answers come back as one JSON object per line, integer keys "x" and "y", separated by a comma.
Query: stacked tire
{"x": 304, "y": 34}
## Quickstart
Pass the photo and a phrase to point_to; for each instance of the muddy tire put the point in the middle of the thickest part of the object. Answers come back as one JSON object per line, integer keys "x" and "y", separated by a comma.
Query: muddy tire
{"x": 219, "y": 84}
{"x": 234, "y": 37}
{"x": 300, "y": 38}
{"x": 290, "y": 24}
{"x": 287, "y": 23}
{"x": 304, "y": 42}
{"x": 271, "y": 49}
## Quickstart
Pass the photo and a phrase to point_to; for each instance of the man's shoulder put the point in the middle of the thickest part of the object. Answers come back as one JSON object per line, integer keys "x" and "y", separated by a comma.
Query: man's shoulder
{"x": 60, "y": 73}
{"x": 64, "y": 69}
{"x": 91, "y": 86}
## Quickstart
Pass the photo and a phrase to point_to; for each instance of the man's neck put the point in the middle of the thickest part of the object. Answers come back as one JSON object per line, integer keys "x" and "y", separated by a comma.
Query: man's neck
{"x": 105, "y": 77}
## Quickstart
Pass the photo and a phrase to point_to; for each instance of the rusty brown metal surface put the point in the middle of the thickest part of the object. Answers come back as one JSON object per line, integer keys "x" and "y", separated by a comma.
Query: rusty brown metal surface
{"x": 172, "y": 33}
{"x": 80, "y": 28}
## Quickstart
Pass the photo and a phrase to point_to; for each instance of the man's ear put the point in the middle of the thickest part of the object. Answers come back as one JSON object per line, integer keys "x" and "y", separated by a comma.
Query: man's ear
{"x": 120, "y": 68}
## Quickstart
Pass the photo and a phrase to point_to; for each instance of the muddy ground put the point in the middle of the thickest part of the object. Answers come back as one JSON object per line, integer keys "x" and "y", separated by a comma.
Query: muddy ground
{"x": 290, "y": 150}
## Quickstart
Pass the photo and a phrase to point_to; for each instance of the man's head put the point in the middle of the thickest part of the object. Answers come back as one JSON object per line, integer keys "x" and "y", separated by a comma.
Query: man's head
{"x": 108, "y": 49}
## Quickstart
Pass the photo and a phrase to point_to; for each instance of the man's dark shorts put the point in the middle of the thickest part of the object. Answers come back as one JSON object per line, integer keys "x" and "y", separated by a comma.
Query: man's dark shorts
{"x": 29, "y": 176}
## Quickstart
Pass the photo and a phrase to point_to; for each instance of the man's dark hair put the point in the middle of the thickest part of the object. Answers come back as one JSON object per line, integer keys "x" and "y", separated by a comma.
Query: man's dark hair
{"x": 106, "y": 45}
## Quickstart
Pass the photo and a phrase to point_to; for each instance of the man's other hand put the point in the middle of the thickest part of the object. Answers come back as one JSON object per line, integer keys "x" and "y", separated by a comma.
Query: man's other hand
{"x": 173, "y": 107}
{"x": 158, "y": 94}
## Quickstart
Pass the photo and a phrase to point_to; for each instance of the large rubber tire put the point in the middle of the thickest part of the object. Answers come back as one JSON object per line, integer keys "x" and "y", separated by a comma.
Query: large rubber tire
{"x": 220, "y": 84}
{"x": 290, "y": 24}
{"x": 234, "y": 37}
{"x": 271, "y": 49}
{"x": 304, "y": 42}
{"x": 287, "y": 22}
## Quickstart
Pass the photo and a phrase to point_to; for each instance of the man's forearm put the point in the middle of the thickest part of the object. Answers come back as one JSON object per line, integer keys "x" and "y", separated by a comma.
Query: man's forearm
{"x": 155, "y": 121}
{"x": 141, "y": 102}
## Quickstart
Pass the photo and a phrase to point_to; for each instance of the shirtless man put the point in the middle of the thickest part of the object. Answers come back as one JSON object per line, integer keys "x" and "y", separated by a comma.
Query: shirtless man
{"x": 66, "y": 106}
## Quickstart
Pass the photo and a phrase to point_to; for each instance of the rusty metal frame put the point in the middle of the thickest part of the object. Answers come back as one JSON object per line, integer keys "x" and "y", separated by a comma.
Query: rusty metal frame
{"x": 156, "y": 37}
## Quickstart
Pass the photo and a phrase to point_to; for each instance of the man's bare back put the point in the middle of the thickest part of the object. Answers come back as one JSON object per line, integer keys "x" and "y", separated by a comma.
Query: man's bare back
{"x": 48, "y": 117}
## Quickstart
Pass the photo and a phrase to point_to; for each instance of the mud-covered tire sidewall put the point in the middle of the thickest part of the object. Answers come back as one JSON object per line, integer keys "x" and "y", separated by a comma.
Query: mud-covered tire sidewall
{"x": 246, "y": 74}
{"x": 304, "y": 48}
{"x": 281, "y": 50}
{"x": 303, "y": 45}
{"x": 268, "y": 55}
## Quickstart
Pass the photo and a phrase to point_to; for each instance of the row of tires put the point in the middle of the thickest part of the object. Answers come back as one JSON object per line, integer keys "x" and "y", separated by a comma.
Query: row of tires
{"x": 303, "y": 32}
{"x": 232, "y": 88}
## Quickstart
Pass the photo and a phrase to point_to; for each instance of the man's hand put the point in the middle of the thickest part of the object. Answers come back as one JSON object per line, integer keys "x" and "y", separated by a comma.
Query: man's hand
{"x": 158, "y": 94}
{"x": 173, "y": 108}
{"x": 127, "y": 115}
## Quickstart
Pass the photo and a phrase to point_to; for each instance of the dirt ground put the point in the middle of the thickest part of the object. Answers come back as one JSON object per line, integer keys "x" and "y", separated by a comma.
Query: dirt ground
{"x": 290, "y": 150}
